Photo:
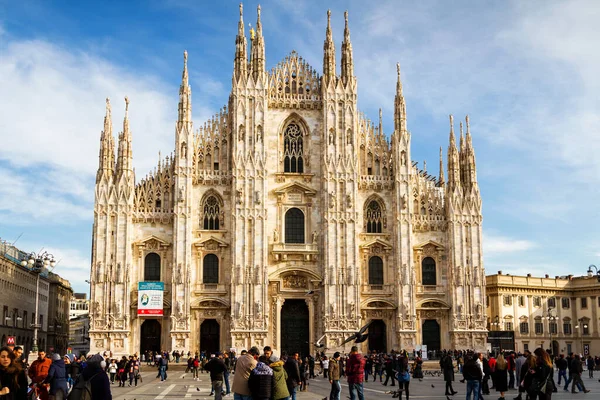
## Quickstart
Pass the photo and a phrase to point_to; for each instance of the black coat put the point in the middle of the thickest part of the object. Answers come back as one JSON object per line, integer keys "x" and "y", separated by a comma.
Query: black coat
{"x": 293, "y": 372}
{"x": 260, "y": 382}
{"x": 57, "y": 377}
{"x": 99, "y": 381}
{"x": 448, "y": 368}
{"x": 501, "y": 379}
{"x": 18, "y": 389}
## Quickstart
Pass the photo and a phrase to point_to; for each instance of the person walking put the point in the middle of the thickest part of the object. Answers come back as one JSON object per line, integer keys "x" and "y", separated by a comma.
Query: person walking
{"x": 333, "y": 374}
{"x": 576, "y": 371}
{"x": 590, "y": 366}
{"x": 448, "y": 370}
{"x": 355, "y": 371}
{"x": 261, "y": 380}
{"x": 163, "y": 366}
{"x": 227, "y": 362}
{"x": 244, "y": 365}
{"x": 501, "y": 376}
{"x": 510, "y": 366}
{"x": 562, "y": 366}
{"x": 325, "y": 368}
{"x": 519, "y": 362}
{"x": 403, "y": 374}
{"x": 293, "y": 374}
{"x": 541, "y": 385}
{"x": 473, "y": 375}
{"x": 112, "y": 370}
{"x": 280, "y": 389}
{"x": 13, "y": 381}
{"x": 525, "y": 377}
{"x": 389, "y": 371}
{"x": 38, "y": 371}
{"x": 57, "y": 378}
{"x": 217, "y": 368}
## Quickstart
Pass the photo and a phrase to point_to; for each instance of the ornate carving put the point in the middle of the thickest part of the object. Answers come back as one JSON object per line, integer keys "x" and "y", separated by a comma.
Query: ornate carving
{"x": 295, "y": 282}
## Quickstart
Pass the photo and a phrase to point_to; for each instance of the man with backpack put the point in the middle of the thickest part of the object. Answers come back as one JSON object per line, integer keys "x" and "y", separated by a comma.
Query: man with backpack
{"x": 195, "y": 368}
{"x": 93, "y": 383}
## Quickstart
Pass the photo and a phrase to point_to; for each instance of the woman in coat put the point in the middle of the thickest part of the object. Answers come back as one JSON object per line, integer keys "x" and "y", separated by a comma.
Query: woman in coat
{"x": 13, "y": 380}
{"x": 543, "y": 372}
{"x": 418, "y": 369}
{"x": 57, "y": 377}
{"x": 501, "y": 376}
{"x": 448, "y": 369}
{"x": 280, "y": 390}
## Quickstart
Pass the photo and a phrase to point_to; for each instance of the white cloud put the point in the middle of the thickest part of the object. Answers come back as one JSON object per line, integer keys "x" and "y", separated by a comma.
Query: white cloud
{"x": 498, "y": 245}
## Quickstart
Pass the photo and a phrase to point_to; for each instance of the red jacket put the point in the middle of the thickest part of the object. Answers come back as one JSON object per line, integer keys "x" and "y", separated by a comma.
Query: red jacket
{"x": 39, "y": 369}
{"x": 355, "y": 368}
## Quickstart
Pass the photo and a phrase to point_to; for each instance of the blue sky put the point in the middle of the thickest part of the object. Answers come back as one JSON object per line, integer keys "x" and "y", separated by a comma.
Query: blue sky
{"x": 525, "y": 72}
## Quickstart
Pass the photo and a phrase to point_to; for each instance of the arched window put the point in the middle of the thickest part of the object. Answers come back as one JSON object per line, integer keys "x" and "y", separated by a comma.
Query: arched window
{"x": 294, "y": 226}
{"x": 210, "y": 272}
{"x": 293, "y": 149}
{"x": 210, "y": 210}
{"x": 374, "y": 218}
{"x": 375, "y": 271}
{"x": 152, "y": 267}
{"x": 428, "y": 271}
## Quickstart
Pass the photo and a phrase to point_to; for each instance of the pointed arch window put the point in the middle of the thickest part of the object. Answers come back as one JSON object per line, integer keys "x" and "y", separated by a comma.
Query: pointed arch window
{"x": 375, "y": 271}
{"x": 211, "y": 211}
{"x": 428, "y": 272}
{"x": 152, "y": 267}
{"x": 210, "y": 271}
{"x": 293, "y": 149}
{"x": 294, "y": 226}
{"x": 374, "y": 217}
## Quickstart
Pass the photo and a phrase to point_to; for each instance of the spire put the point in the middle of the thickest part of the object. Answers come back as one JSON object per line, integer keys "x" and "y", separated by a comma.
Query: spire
{"x": 441, "y": 181}
{"x": 257, "y": 58}
{"x": 380, "y": 122}
{"x": 453, "y": 159}
{"x": 328, "y": 53}
{"x": 399, "y": 106}
{"x": 240, "y": 63}
{"x": 185, "y": 96}
{"x": 107, "y": 147}
{"x": 347, "y": 61}
{"x": 469, "y": 159}
{"x": 124, "y": 158}
{"x": 461, "y": 153}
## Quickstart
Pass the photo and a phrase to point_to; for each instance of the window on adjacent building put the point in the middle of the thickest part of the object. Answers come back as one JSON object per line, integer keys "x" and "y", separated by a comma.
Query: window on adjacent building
{"x": 552, "y": 302}
{"x": 210, "y": 269}
{"x": 539, "y": 327}
{"x": 507, "y": 300}
{"x": 553, "y": 327}
{"x": 566, "y": 303}
{"x": 537, "y": 301}
{"x": 525, "y": 346}
{"x": 294, "y": 226}
{"x": 584, "y": 302}
{"x": 152, "y": 267}
{"x": 569, "y": 348}
{"x": 508, "y": 326}
{"x": 524, "y": 327}
{"x": 521, "y": 301}
{"x": 428, "y": 272}
{"x": 375, "y": 271}
{"x": 293, "y": 151}
{"x": 586, "y": 328}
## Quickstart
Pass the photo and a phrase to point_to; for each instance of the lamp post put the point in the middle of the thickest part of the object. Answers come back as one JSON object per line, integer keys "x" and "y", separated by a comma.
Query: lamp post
{"x": 551, "y": 318}
{"x": 14, "y": 314}
{"x": 36, "y": 263}
{"x": 496, "y": 323}
{"x": 590, "y": 273}
{"x": 580, "y": 322}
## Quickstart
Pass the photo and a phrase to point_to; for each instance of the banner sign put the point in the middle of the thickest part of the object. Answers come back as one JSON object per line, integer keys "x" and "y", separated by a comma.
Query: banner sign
{"x": 150, "y": 298}
{"x": 10, "y": 341}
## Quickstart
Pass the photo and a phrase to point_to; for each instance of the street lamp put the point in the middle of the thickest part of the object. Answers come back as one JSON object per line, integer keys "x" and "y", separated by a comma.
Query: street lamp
{"x": 496, "y": 323}
{"x": 584, "y": 326}
{"x": 590, "y": 273}
{"x": 551, "y": 318}
{"x": 36, "y": 264}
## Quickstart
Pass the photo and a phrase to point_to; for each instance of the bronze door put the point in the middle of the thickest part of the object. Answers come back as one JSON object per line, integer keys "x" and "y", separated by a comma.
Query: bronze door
{"x": 431, "y": 334}
{"x": 210, "y": 336}
{"x": 294, "y": 327}
{"x": 150, "y": 336}
{"x": 377, "y": 338}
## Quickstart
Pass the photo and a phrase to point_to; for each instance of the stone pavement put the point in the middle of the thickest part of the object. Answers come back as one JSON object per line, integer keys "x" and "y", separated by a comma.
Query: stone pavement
{"x": 180, "y": 385}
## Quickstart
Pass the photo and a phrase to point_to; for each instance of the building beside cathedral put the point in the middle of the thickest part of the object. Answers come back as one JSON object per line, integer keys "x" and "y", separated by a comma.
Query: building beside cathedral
{"x": 287, "y": 216}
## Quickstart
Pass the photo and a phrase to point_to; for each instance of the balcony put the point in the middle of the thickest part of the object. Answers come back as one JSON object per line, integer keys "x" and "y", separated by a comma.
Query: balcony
{"x": 295, "y": 251}
{"x": 377, "y": 289}
{"x": 212, "y": 288}
{"x": 431, "y": 289}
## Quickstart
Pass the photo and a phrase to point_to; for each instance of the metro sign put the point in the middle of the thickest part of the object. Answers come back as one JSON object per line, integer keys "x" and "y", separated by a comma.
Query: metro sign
{"x": 10, "y": 341}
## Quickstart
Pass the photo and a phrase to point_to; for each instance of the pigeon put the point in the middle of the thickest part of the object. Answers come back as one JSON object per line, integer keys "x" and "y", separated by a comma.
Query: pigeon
{"x": 432, "y": 386}
{"x": 359, "y": 336}
{"x": 318, "y": 344}
{"x": 309, "y": 292}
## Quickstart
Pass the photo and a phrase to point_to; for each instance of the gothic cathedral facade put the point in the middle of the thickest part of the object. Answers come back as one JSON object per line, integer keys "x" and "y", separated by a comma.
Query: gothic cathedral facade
{"x": 285, "y": 217}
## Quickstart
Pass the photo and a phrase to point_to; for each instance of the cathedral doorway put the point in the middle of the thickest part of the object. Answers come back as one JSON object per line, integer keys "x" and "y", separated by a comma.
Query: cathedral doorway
{"x": 210, "y": 336}
{"x": 294, "y": 327}
{"x": 150, "y": 336}
{"x": 431, "y": 334}
{"x": 377, "y": 337}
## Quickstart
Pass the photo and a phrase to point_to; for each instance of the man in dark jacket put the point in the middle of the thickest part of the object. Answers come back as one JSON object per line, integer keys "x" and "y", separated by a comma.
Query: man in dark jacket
{"x": 334, "y": 377}
{"x": 448, "y": 369}
{"x": 293, "y": 372}
{"x": 94, "y": 372}
{"x": 562, "y": 365}
{"x": 473, "y": 374}
{"x": 355, "y": 371}
{"x": 389, "y": 371}
{"x": 217, "y": 368}
{"x": 261, "y": 380}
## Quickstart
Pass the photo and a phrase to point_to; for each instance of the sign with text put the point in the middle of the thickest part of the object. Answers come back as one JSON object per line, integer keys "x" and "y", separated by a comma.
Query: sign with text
{"x": 10, "y": 341}
{"x": 150, "y": 298}
{"x": 586, "y": 349}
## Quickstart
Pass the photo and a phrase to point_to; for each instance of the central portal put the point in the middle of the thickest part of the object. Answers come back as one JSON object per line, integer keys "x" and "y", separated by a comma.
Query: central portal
{"x": 431, "y": 334}
{"x": 209, "y": 336}
{"x": 150, "y": 336}
{"x": 294, "y": 327}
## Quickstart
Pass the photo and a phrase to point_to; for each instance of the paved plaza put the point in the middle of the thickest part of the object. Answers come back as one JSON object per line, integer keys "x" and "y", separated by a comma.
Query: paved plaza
{"x": 181, "y": 386}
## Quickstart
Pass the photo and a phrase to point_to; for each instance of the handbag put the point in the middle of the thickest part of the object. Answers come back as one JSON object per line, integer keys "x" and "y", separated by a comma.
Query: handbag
{"x": 538, "y": 385}
{"x": 403, "y": 377}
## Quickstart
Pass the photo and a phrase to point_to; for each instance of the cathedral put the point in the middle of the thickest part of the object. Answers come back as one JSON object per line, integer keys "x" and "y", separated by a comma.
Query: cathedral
{"x": 287, "y": 218}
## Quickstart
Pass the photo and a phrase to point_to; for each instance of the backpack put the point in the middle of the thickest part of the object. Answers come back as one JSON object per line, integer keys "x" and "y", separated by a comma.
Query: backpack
{"x": 196, "y": 363}
{"x": 82, "y": 389}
